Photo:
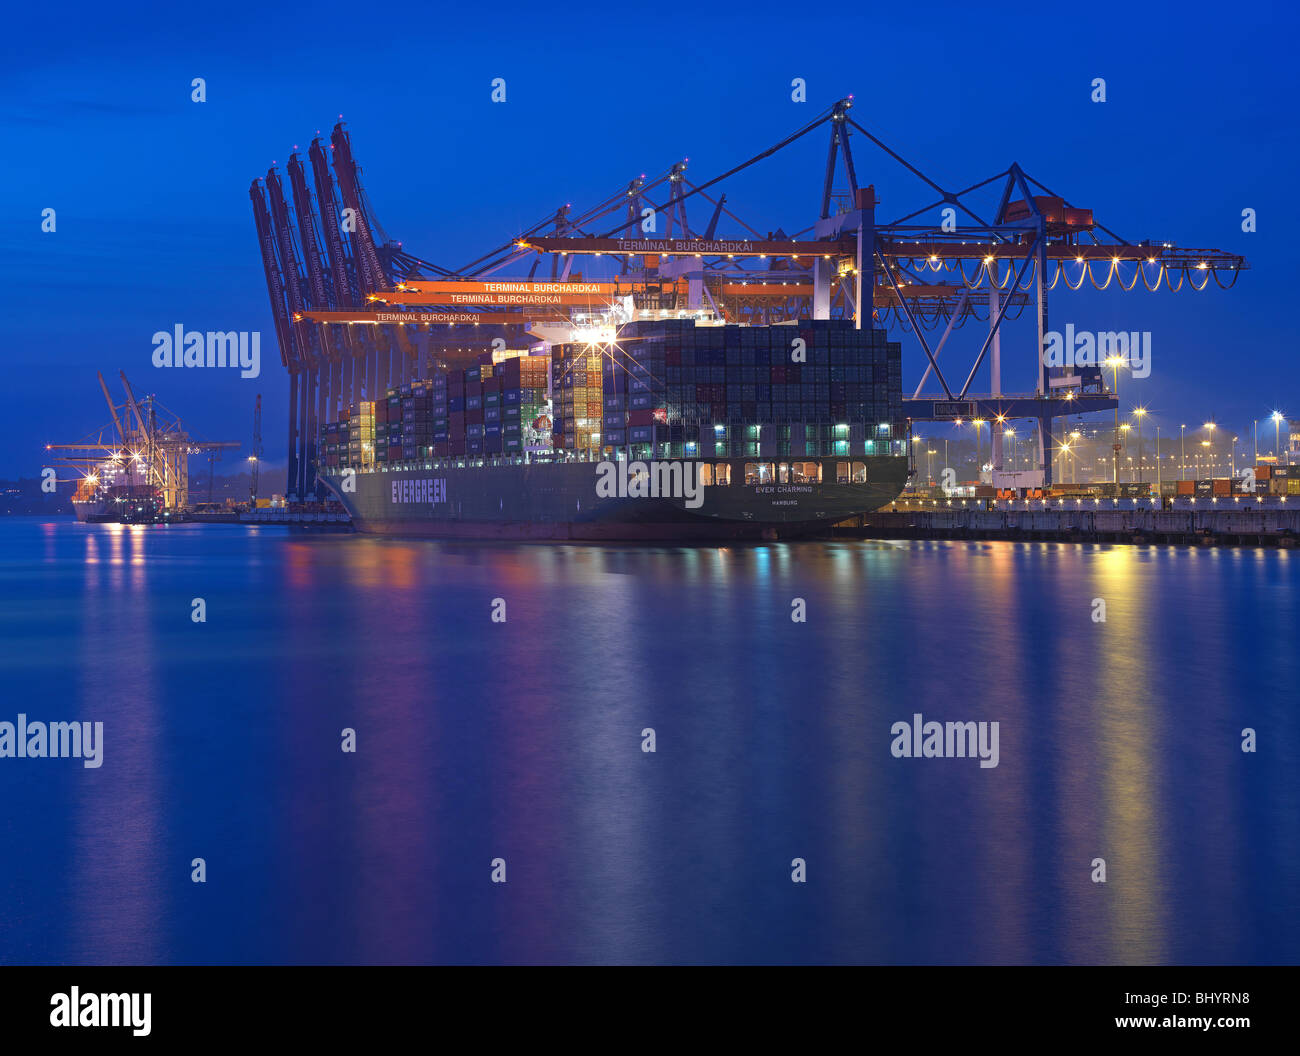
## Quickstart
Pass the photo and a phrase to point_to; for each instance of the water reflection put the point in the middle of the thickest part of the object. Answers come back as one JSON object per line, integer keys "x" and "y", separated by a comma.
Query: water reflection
{"x": 523, "y": 740}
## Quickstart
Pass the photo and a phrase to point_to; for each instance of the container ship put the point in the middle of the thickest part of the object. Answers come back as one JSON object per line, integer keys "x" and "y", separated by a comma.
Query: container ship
{"x": 663, "y": 430}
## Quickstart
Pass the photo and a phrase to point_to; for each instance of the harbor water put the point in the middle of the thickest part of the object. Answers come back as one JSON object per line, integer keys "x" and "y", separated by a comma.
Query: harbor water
{"x": 501, "y": 699}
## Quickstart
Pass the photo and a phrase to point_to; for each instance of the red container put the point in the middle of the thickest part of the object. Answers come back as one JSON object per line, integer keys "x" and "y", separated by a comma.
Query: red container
{"x": 395, "y": 454}
{"x": 778, "y": 375}
{"x": 646, "y": 417}
{"x": 474, "y": 416}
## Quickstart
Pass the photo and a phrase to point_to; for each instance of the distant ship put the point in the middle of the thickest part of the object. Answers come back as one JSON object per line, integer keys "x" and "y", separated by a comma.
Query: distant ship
{"x": 670, "y": 431}
{"x": 110, "y": 494}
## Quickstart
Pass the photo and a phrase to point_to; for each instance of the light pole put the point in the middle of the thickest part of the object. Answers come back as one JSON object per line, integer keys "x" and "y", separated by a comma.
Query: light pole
{"x": 1114, "y": 363}
{"x": 1182, "y": 454}
{"x": 1140, "y": 413}
{"x": 1123, "y": 432}
{"x": 1011, "y": 433}
{"x": 1074, "y": 459}
{"x": 1255, "y": 430}
{"x": 979, "y": 459}
{"x": 1210, "y": 426}
{"x": 1157, "y": 460}
{"x": 1277, "y": 434}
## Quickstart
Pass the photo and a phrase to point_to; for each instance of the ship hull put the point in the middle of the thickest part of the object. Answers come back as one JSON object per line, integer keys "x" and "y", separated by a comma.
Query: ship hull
{"x": 564, "y": 501}
{"x": 90, "y": 511}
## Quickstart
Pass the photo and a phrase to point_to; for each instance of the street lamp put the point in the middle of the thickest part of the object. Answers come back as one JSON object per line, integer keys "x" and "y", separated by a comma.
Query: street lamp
{"x": 1277, "y": 435}
{"x": 1124, "y": 430}
{"x": 1211, "y": 427}
{"x": 1139, "y": 413}
{"x": 1074, "y": 459}
{"x": 1158, "y": 481}
{"x": 1115, "y": 362}
{"x": 1182, "y": 454}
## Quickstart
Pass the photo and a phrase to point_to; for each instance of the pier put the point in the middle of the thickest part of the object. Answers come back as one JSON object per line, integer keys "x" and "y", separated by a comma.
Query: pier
{"x": 1242, "y": 525}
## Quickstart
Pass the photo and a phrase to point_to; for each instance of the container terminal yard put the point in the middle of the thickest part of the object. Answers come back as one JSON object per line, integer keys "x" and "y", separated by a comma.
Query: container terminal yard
{"x": 729, "y": 353}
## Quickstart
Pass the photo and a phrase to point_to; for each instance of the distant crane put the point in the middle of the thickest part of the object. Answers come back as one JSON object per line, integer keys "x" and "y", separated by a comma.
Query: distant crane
{"x": 256, "y": 457}
{"x": 148, "y": 451}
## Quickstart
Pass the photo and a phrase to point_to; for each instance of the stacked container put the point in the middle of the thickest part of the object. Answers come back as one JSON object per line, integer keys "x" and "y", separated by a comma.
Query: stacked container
{"x": 576, "y": 378}
{"x": 393, "y": 403}
{"x": 522, "y": 383}
{"x": 666, "y": 388}
{"x": 361, "y": 435}
{"x": 417, "y": 421}
{"x": 670, "y": 387}
{"x": 474, "y": 411}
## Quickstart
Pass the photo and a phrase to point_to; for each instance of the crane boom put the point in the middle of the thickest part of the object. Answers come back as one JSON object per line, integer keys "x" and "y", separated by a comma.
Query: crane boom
{"x": 369, "y": 271}
{"x": 112, "y": 409}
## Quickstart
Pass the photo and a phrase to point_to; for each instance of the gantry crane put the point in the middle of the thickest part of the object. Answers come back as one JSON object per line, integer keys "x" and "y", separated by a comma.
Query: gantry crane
{"x": 146, "y": 456}
{"x": 937, "y": 266}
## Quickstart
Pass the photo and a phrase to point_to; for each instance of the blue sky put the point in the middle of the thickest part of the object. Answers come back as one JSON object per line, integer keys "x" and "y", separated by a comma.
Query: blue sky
{"x": 155, "y": 227}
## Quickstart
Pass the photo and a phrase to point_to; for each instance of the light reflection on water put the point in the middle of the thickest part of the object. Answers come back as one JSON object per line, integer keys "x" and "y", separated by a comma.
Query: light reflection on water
{"x": 477, "y": 740}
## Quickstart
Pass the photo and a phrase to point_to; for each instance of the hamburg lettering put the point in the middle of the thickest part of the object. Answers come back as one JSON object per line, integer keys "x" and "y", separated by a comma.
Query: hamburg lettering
{"x": 422, "y": 491}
